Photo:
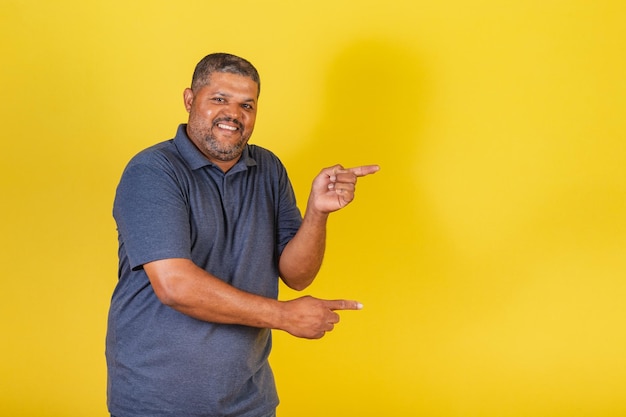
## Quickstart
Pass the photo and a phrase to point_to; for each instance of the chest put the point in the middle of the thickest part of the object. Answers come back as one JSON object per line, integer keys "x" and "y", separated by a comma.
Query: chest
{"x": 231, "y": 209}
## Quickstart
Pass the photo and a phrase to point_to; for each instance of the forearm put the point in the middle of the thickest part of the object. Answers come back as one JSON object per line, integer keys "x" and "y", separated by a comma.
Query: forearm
{"x": 302, "y": 257}
{"x": 185, "y": 287}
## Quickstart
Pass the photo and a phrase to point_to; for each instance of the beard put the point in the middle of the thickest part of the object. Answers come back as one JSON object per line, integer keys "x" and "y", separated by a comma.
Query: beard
{"x": 206, "y": 138}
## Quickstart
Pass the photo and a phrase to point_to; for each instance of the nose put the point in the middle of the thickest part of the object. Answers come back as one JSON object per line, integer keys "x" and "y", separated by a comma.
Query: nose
{"x": 233, "y": 110}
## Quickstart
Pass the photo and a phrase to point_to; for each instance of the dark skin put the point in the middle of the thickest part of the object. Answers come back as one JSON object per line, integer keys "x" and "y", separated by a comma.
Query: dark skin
{"x": 221, "y": 119}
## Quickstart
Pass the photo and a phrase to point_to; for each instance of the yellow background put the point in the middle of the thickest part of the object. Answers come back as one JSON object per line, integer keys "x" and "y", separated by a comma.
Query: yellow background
{"x": 489, "y": 251}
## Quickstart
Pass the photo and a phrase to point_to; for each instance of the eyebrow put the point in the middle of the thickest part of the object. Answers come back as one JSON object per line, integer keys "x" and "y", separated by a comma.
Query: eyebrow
{"x": 223, "y": 94}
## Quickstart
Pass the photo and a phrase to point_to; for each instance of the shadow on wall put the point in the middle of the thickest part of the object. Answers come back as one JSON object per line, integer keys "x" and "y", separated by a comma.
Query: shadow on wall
{"x": 374, "y": 102}
{"x": 387, "y": 249}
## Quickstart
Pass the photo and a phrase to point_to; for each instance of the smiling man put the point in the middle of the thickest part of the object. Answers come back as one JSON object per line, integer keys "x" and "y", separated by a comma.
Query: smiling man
{"x": 222, "y": 113}
{"x": 207, "y": 224}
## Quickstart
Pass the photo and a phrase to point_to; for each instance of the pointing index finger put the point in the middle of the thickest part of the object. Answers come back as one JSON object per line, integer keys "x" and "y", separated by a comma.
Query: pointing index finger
{"x": 343, "y": 305}
{"x": 364, "y": 170}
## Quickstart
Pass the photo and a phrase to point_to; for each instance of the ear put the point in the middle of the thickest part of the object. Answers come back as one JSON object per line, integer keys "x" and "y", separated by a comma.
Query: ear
{"x": 188, "y": 99}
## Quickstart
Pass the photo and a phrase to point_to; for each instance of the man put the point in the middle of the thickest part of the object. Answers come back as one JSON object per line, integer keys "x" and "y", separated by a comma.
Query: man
{"x": 207, "y": 223}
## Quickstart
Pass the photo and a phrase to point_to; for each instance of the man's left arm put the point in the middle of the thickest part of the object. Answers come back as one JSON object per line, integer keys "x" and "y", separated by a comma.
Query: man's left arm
{"x": 333, "y": 189}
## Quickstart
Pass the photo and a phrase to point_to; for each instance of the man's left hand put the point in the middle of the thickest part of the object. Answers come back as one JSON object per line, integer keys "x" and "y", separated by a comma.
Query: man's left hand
{"x": 333, "y": 188}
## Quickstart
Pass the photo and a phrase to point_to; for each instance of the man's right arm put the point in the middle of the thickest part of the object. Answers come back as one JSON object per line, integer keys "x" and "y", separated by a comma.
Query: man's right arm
{"x": 187, "y": 288}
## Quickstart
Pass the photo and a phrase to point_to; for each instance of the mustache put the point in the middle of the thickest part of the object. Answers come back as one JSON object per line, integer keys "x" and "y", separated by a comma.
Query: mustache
{"x": 229, "y": 120}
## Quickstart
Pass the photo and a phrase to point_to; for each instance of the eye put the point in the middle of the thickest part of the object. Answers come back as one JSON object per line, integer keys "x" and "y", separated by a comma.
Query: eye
{"x": 218, "y": 99}
{"x": 247, "y": 106}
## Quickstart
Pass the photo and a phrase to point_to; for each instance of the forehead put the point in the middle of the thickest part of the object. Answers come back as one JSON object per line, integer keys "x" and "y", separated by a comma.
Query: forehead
{"x": 230, "y": 84}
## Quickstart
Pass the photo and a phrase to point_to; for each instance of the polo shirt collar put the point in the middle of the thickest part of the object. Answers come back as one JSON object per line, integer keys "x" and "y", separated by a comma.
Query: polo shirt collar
{"x": 196, "y": 160}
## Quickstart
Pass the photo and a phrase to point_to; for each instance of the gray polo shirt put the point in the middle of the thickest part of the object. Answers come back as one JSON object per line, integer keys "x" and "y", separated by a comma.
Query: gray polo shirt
{"x": 172, "y": 202}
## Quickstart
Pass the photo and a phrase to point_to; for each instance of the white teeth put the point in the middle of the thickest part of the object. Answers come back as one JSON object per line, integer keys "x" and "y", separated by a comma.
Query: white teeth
{"x": 222, "y": 126}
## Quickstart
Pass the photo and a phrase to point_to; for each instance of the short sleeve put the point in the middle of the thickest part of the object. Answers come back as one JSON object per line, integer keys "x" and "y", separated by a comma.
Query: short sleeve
{"x": 151, "y": 213}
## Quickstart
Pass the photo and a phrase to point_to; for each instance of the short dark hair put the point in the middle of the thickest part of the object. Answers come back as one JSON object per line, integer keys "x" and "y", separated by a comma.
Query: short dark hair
{"x": 222, "y": 62}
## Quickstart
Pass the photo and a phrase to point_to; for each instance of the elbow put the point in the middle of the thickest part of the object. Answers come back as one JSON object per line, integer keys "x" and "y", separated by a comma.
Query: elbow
{"x": 298, "y": 287}
{"x": 298, "y": 275}
{"x": 298, "y": 283}
{"x": 166, "y": 283}
{"x": 165, "y": 291}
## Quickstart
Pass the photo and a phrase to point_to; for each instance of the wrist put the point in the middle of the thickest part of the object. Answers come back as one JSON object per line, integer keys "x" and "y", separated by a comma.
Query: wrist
{"x": 278, "y": 315}
{"x": 313, "y": 213}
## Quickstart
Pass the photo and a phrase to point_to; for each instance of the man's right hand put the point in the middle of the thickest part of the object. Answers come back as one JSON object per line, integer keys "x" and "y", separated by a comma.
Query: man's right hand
{"x": 309, "y": 317}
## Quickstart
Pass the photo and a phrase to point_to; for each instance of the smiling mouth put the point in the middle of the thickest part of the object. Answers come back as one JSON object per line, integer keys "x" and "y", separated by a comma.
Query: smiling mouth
{"x": 227, "y": 127}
